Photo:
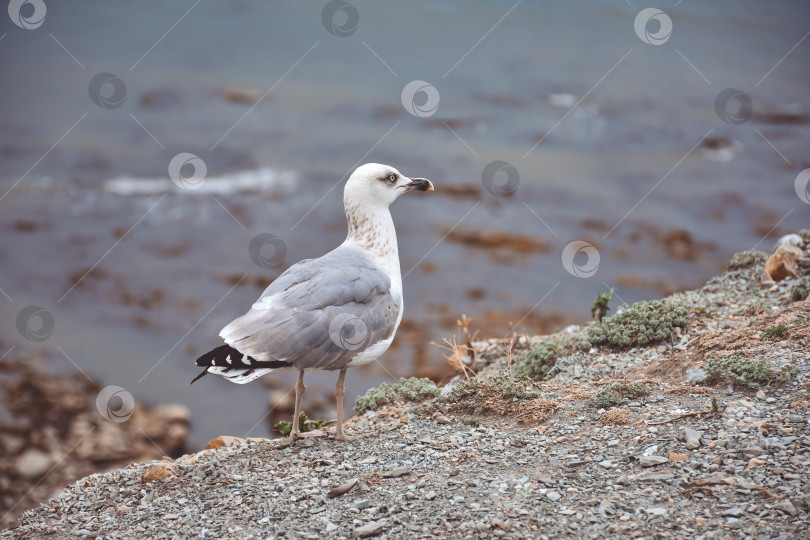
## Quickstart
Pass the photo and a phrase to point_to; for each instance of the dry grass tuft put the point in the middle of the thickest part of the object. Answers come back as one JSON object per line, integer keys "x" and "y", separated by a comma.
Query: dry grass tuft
{"x": 689, "y": 389}
{"x": 615, "y": 417}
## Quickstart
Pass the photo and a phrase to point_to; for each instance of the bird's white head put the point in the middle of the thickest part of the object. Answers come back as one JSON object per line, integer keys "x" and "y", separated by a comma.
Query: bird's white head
{"x": 375, "y": 185}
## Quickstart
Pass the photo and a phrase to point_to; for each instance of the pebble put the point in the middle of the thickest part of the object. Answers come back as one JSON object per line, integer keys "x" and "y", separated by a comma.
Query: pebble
{"x": 369, "y": 529}
{"x": 692, "y": 438}
{"x": 787, "y": 507}
{"x": 652, "y": 461}
{"x": 553, "y": 496}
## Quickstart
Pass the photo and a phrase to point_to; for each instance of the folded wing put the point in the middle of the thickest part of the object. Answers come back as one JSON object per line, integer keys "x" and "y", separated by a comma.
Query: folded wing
{"x": 318, "y": 314}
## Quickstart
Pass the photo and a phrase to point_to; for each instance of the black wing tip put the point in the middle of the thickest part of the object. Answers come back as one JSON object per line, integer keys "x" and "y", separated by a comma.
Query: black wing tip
{"x": 200, "y": 376}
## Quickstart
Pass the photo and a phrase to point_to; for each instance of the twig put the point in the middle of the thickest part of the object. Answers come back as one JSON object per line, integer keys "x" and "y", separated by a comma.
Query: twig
{"x": 684, "y": 415}
{"x": 703, "y": 489}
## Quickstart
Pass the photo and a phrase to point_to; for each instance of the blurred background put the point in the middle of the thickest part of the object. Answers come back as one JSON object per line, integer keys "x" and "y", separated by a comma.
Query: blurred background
{"x": 146, "y": 147}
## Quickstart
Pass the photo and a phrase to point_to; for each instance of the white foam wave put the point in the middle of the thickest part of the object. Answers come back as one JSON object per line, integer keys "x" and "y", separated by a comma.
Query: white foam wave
{"x": 265, "y": 179}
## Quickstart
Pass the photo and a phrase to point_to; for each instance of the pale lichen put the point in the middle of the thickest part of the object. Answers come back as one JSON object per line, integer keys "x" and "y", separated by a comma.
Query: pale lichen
{"x": 642, "y": 323}
{"x": 410, "y": 389}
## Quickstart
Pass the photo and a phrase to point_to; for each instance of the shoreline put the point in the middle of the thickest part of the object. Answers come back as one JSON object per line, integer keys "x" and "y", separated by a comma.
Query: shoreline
{"x": 617, "y": 441}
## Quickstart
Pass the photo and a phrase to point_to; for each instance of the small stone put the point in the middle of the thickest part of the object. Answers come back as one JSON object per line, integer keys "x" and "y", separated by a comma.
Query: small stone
{"x": 225, "y": 440}
{"x": 692, "y": 438}
{"x": 752, "y": 451}
{"x": 733, "y": 512}
{"x": 652, "y": 461}
{"x": 576, "y": 463}
{"x": 655, "y": 476}
{"x": 342, "y": 489}
{"x": 607, "y": 464}
{"x": 361, "y": 504}
{"x": 734, "y": 523}
{"x": 553, "y": 496}
{"x": 796, "y": 418}
{"x": 171, "y": 516}
{"x": 613, "y": 443}
{"x": 787, "y": 507}
{"x": 658, "y": 511}
{"x": 369, "y": 529}
{"x": 156, "y": 471}
{"x": 674, "y": 456}
{"x": 396, "y": 473}
{"x": 441, "y": 419}
{"x": 761, "y": 395}
{"x": 430, "y": 495}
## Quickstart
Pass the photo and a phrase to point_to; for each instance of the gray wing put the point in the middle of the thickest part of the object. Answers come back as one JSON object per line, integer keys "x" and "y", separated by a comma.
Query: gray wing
{"x": 319, "y": 314}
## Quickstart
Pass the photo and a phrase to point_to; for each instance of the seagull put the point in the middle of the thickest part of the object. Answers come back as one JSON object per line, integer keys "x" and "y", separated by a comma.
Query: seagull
{"x": 338, "y": 311}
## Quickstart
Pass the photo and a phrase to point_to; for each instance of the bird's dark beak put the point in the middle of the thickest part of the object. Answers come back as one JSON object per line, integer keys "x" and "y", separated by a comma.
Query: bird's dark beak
{"x": 421, "y": 184}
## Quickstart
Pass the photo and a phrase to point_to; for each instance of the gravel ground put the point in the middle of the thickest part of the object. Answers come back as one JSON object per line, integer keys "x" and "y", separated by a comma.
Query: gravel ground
{"x": 739, "y": 471}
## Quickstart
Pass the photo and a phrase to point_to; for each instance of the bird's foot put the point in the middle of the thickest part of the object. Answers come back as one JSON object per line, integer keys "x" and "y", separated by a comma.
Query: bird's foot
{"x": 308, "y": 434}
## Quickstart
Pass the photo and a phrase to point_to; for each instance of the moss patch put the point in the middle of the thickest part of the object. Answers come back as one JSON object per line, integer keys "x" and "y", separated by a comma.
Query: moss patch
{"x": 618, "y": 394}
{"x": 643, "y": 323}
{"x": 304, "y": 425}
{"x": 738, "y": 371}
{"x": 747, "y": 259}
{"x": 801, "y": 291}
{"x": 538, "y": 361}
{"x": 410, "y": 389}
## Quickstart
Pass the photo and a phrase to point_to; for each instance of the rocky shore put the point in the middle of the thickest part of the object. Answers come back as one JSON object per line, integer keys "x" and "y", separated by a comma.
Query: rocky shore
{"x": 52, "y": 432}
{"x": 696, "y": 425}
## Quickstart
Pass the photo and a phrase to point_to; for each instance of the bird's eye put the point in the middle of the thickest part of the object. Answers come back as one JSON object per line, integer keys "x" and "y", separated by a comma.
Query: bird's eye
{"x": 392, "y": 178}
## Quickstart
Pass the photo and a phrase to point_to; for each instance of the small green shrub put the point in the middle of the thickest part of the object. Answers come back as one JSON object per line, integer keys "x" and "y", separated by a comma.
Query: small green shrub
{"x": 738, "y": 371}
{"x": 601, "y": 305}
{"x": 776, "y": 331}
{"x": 747, "y": 259}
{"x": 801, "y": 290}
{"x": 618, "y": 394}
{"x": 805, "y": 234}
{"x": 410, "y": 389}
{"x": 304, "y": 425}
{"x": 538, "y": 361}
{"x": 644, "y": 322}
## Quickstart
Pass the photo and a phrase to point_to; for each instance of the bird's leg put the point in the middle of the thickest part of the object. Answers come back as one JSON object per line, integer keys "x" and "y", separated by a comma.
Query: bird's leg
{"x": 295, "y": 433}
{"x": 340, "y": 391}
{"x": 299, "y": 393}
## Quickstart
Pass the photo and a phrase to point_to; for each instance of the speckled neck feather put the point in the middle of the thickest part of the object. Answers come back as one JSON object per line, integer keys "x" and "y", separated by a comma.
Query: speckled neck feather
{"x": 372, "y": 229}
